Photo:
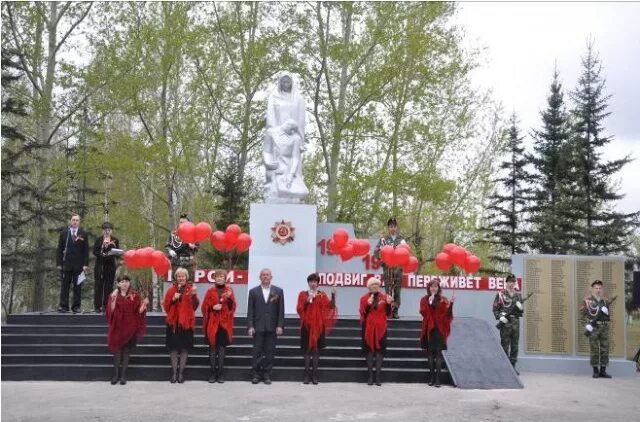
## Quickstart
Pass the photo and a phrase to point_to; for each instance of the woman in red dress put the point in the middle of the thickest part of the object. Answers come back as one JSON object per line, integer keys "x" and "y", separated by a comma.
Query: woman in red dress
{"x": 180, "y": 303}
{"x": 375, "y": 307}
{"x": 437, "y": 314}
{"x": 218, "y": 309}
{"x": 318, "y": 314}
{"x": 126, "y": 318}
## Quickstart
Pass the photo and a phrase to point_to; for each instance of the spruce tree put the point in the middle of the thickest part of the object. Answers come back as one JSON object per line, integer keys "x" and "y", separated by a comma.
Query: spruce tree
{"x": 602, "y": 230}
{"x": 509, "y": 202}
{"x": 549, "y": 221}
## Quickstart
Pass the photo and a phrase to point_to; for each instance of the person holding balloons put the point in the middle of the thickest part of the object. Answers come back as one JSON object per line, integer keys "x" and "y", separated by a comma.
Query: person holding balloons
{"x": 181, "y": 251}
{"x": 218, "y": 309}
{"x": 392, "y": 274}
{"x": 437, "y": 314}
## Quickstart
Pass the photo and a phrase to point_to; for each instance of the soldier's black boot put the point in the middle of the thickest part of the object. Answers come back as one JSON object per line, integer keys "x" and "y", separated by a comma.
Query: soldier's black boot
{"x": 596, "y": 374}
{"x": 603, "y": 372}
{"x": 116, "y": 367}
{"x": 220, "y": 372}
{"x": 212, "y": 365}
{"x": 370, "y": 368}
{"x": 314, "y": 373}
{"x": 307, "y": 375}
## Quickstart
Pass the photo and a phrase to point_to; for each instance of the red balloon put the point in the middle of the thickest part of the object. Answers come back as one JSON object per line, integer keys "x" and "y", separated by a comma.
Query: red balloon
{"x": 412, "y": 265}
{"x": 458, "y": 256}
{"x": 448, "y": 248}
{"x": 401, "y": 257}
{"x": 346, "y": 253}
{"x": 144, "y": 257}
{"x": 162, "y": 268}
{"x": 230, "y": 240}
{"x": 129, "y": 259}
{"x": 361, "y": 247}
{"x": 217, "y": 240}
{"x": 187, "y": 232}
{"x": 157, "y": 258}
{"x": 243, "y": 243}
{"x": 386, "y": 254}
{"x": 472, "y": 264}
{"x": 404, "y": 246}
{"x": 443, "y": 261}
{"x": 231, "y": 234}
{"x": 340, "y": 238}
{"x": 331, "y": 247}
{"x": 203, "y": 231}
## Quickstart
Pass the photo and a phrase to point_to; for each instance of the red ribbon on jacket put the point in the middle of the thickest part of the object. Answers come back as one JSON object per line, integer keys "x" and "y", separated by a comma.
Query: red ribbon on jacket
{"x": 375, "y": 321}
{"x": 317, "y": 316}
{"x": 182, "y": 312}
{"x": 211, "y": 319}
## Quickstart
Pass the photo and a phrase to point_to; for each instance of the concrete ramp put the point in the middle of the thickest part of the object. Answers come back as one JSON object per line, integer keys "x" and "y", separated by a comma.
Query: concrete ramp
{"x": 475, "y": 358}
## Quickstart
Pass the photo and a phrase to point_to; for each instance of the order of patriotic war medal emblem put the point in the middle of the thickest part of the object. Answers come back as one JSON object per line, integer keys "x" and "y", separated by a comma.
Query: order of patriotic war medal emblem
{"x": 282, "y": 232}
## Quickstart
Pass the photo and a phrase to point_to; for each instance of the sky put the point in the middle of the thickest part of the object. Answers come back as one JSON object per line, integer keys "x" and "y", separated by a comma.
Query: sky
{"x": 523, "y": 41}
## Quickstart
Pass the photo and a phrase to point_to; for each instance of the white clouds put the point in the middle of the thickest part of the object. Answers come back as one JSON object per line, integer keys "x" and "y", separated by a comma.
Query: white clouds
{"x": 524, "y": 40}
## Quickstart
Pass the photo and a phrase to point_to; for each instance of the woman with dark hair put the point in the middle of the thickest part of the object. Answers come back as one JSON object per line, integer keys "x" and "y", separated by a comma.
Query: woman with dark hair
{"x": 180, "y": 304}
{"x": 375, "y": 308}
{"x": 126, "y": 319}
{"x": 437, "y": 314}
{"x": 218, "y": 309}
{"x": 318, "y": 314}
{"x": 180, "y": 253}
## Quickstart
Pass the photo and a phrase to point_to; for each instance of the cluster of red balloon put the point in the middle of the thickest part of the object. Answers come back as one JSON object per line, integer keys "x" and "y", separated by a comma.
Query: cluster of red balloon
{"x": 193, "y": 233}
{"x": 340, "y": 244}
{"x": 147, "y": 258}
{"x": 231, "y": 238}
{"x": 400, "y": 256}
{"x": 453, "y": 254}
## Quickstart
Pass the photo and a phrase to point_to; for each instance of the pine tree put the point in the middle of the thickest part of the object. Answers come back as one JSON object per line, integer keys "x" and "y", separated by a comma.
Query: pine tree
{"x": 509, "y": 203}
{"x": 602, "y": 230}
{"x": 548, "y": 220}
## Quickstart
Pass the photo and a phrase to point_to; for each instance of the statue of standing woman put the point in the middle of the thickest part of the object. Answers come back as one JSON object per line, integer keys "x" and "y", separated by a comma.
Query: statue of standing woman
{"x": 283, "y": 143}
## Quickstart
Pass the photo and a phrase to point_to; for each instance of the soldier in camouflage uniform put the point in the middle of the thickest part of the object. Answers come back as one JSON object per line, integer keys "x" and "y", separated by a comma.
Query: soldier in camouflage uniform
{"x": 392, "y": 276}
{"x": 595, "y": 313}
{"x": 507, "y": 308}
{"x": 182, "y": 254}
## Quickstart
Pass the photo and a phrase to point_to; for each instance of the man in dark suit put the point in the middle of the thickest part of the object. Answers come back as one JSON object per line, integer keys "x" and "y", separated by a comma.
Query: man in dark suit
{"x": 72, "y": 258}
{"x": 265, "y": 317}
{"x": 105, "y": 268}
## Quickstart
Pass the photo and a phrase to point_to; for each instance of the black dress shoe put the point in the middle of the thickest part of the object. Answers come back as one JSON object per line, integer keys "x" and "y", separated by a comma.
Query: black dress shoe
{"x": 114, "y": 380}
{"x": 267, "y": 380}
{"x": 123, "y": 381}
{"x": 180, "y": 379}
{"x": 62, "y": 310}
{"x": 220, "y": 379}
{"x": 173, "y": 379}
{"x": 75, "y": 310}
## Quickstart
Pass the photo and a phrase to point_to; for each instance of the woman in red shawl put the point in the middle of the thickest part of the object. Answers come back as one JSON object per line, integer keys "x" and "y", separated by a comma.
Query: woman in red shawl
{"x": 375, "y": 307}
{"x": 180, "y": 304}
{"x": 318, "y": 314}
{"x": 218, "y": 309}
{"x": 437, "y": 314}
{"x": 126, "y": 318}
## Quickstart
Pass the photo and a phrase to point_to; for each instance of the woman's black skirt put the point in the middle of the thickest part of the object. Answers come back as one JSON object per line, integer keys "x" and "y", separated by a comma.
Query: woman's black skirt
{"x": 365, "y": 346}
{"x": 435, "y": 343}
{"x": 180, "y": 339}
{"x": 222, "y": 338}
{"x": 304, "y": 340}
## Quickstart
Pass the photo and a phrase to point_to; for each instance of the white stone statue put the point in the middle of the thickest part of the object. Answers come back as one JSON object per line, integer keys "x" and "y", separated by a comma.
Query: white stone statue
{"x": 282, "y": 157}
{"x": 283, "y": 143}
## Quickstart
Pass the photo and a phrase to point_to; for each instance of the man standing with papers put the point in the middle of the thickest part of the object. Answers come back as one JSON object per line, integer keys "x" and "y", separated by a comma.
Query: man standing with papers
{"x": 72, "y": 258}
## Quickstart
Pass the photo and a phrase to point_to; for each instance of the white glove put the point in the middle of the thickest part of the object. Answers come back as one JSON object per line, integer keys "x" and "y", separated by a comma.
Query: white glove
{"x": 504, "y": 320}
{"x": 172, "y": 253}
{"x": 604, "y": 310}
{"x": 519, "y": 305}
{"x": 589, "y": 327}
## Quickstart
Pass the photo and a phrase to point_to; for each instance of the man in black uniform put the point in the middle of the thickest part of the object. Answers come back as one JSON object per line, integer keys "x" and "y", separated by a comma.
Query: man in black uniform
{"x": 105, "y": 268}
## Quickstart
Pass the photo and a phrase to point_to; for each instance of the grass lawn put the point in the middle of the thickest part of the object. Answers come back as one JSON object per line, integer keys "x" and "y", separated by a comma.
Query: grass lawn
{"x": 633, "y": 338}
